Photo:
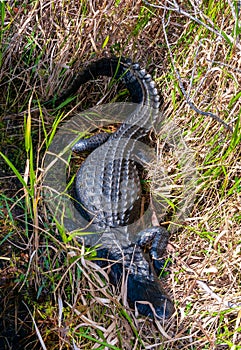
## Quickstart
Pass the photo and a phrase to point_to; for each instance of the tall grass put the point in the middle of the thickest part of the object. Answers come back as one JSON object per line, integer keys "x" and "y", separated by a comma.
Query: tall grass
{"x": 192, "y": 50}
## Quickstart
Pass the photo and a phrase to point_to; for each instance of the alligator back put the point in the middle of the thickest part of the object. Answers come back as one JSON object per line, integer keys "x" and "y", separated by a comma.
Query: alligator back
{"x": 107, "y": 185}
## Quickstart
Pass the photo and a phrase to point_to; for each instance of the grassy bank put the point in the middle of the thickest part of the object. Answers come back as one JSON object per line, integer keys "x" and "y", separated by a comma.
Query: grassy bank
{"x": 51, "y": 294}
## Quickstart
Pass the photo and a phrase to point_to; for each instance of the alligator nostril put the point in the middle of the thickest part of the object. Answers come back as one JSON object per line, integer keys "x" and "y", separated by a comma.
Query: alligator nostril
{"x": 148, "y": 297}
{"x": 163, "y": 311}
{"x": 166, "y": 310}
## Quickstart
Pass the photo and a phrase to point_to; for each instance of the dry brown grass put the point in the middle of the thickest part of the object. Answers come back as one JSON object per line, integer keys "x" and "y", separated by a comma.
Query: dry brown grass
{"x": 43, "y": 44}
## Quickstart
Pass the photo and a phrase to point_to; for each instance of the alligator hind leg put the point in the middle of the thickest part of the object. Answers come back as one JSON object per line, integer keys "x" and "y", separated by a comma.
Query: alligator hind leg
{"x": 154, "y": 241}
{"x": 91, "y": 143}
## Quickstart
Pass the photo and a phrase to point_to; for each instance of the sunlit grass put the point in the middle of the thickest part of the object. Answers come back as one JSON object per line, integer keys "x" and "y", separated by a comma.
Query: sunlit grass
{"x": 42, "y": 46}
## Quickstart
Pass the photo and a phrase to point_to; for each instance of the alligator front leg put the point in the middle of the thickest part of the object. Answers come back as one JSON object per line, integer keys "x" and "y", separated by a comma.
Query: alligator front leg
{"x": 153, "y": 241}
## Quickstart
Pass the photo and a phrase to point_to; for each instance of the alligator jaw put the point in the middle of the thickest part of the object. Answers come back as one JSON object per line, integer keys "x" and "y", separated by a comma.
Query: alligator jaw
{"x": 143, "y": 293}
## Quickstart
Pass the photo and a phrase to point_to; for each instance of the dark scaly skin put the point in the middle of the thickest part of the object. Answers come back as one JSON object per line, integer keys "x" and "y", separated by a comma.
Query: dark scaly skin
{"x": 140, "y": 269}
{"x": 108, "y": 189}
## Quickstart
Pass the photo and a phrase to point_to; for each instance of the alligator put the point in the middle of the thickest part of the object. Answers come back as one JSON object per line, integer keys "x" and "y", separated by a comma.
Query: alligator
{"x": 107, "y": 190}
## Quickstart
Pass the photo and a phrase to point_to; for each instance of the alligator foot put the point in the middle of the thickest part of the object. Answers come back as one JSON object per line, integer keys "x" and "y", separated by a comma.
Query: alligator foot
{"x": 153, "y": 241}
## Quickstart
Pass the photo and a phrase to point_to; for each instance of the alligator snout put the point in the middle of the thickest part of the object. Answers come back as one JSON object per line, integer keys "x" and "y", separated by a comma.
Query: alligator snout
{"x": 149, "y": 298}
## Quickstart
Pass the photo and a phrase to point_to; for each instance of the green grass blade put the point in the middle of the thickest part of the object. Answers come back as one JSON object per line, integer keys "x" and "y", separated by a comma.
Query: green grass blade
{"x": 16, "y": 172}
